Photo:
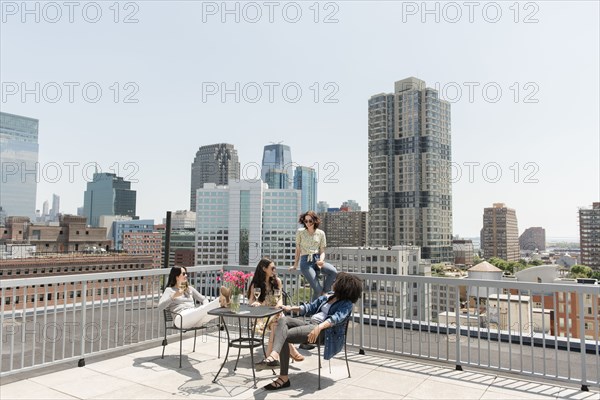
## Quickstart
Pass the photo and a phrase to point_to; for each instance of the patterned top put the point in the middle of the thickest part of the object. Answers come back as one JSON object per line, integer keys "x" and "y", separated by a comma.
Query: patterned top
{"x": 310, "y": 244}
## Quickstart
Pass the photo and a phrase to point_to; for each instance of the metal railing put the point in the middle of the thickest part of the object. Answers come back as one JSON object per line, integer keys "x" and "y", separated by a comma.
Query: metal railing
{"x": 530, "y": 329}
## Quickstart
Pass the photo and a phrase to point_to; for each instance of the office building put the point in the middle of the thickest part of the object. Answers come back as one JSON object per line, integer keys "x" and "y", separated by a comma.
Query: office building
{"x": 70, "y": 235}
{"x": 322, "y": 207}
{"x": 144, "y": 243}
{"x": 463, "y": 251}
{"x": 244, "y": 221}
{"x": 410, "y": 197}
{"x": 277, "y": 169}
{"x": 388, "y": 298}
{"x": 120, "y": 228}
{"x": 589, "y": 236}
{"x": 532, "y": 239}
{"x": 305, "y": 180}
{"x": 80, "y": 264}
{"x": 345, "y": 228}
{"x": 19, "y": 164}
{"x": 500, "y": 233}
{"x": 108, "y": 194}
{"x": 182, "y": 219}
{"x": 350, "y": 205}
{"x": 55, "y": 210}
{"x": 215, "y": 163}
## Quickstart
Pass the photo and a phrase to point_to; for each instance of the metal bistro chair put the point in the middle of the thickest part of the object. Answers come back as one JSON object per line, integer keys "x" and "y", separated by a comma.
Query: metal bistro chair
{"x": 321, "y": 341}
{"x": 169, "y": 325}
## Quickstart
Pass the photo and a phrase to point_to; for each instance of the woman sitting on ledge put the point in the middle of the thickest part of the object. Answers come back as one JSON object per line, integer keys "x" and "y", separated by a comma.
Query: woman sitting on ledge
{"x": 179, "y": 299}
{"x": 327, "y": 312}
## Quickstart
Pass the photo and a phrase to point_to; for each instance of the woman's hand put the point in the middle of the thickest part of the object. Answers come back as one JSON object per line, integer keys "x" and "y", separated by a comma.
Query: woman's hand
{"x": 314, "y": 334}
{"x": 293, "y": 267}
{"x": 320, "y": 263}
{"x": 255, "y": 304}
{"x": 286, "y": 308}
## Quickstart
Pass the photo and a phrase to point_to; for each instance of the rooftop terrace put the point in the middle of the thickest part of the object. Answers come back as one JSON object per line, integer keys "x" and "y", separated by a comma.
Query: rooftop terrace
{"x": 142, "y": 374}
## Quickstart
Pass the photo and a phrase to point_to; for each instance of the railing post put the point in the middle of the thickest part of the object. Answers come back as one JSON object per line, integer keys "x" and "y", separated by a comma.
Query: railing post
{"x": 458, "y": 335}
{"x": 81, "y": 362}
{"x": 582, "y": 352}
{"x": 361, "y": 349}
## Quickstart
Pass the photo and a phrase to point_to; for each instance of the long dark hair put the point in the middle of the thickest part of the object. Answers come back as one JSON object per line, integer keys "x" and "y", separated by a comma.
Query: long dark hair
{"x": 313, "y": 215}
{"x": 347, "y": 287}
{"x": 259, "y": 278}
{"x": 175, "y": 272}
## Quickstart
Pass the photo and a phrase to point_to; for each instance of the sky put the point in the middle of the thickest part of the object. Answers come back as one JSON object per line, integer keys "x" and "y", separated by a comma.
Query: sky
{"x": 135, "y": 88}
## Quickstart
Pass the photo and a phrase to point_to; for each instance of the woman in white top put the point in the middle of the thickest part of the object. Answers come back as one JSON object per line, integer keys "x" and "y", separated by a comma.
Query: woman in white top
{"x": 180, "y": 299}
{"x": 310, "y": 252}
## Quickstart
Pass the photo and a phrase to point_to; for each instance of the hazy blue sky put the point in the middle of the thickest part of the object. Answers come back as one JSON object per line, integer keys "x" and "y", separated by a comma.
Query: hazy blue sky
{"x": 541, "y": 132}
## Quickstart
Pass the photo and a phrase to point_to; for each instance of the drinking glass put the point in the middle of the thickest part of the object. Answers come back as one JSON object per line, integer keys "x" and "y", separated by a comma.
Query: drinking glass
{"x": 256, "y": 293}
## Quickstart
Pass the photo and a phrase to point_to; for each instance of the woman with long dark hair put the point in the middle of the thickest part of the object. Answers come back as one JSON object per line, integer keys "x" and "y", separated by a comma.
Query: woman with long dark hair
{"x": 180, "y": 299}
{"x": 265, "y": 278}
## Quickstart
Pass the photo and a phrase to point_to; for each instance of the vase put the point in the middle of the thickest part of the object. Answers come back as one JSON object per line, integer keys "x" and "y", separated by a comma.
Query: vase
{"x": 235, "y": 303}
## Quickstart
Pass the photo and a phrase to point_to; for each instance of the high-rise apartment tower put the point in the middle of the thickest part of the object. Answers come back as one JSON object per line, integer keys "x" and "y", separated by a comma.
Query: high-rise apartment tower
{"x": 410, "y": 197}
{"x": 500, "y": 233}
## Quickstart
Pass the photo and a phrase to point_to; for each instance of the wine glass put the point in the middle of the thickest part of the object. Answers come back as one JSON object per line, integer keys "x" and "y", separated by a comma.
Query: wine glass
{"x": 257, "y": 293}
{"x": 184, "y": 285}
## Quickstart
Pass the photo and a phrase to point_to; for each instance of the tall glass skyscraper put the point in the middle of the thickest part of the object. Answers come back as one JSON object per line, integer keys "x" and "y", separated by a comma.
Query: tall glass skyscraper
{"x": 305, "y": 180}
{"x": 277, "y": 168}
{"x": 215, "y": 163}
{"x": 108, "y": 194}
{"x": 410, "y": 196}
{"x": 19, "y": 164}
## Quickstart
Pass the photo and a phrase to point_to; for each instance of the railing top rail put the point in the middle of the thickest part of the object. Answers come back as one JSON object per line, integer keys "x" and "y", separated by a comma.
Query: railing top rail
{"x": 483, "y": 283}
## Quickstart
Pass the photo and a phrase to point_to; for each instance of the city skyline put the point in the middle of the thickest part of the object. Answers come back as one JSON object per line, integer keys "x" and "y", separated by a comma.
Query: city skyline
{"x": 523, "y": 148}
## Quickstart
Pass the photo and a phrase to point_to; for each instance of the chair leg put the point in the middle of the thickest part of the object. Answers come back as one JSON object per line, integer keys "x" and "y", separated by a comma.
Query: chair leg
{"x": 194, "y": 350}
{"x": 180, "y": 346}
{"x": 164, "y": 344}
{"x": 346, "y": 355}
{"x": 319, "y": 358}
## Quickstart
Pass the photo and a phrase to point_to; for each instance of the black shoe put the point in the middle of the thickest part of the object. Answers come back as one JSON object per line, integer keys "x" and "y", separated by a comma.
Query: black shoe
{"x": 307, "y": 346}
{"x": 277, "y": 384}
{"x": 266, "y": 364}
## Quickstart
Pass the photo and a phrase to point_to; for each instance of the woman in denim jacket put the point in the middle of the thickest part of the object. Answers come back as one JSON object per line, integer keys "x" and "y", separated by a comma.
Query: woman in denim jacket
{"x": 327, "y": 312}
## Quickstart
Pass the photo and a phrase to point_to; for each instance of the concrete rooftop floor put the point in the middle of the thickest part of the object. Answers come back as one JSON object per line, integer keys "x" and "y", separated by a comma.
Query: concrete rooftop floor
{"x": 143, "y": 374}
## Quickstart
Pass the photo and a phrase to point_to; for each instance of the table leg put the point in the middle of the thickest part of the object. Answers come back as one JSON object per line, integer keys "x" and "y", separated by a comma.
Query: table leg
{"x": 226, "y": 353}
{"x": 251, "y": 334}
{"x": 241, "y": 342}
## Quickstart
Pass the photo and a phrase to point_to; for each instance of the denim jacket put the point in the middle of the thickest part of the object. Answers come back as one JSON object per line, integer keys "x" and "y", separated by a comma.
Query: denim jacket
{"x": 338, "y": 313}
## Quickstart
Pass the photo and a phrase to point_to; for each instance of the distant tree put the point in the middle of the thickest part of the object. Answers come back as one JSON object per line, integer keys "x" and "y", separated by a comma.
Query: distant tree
{"x": 476, "y": 259}
{"x": 437, "y": 269}
{"x": 535, "y": 263}
{"x": 596, "y": 275}
{"x": 498, "y": 263}
{"x": 511, "y": 266}
{"x": 580, "y": 271}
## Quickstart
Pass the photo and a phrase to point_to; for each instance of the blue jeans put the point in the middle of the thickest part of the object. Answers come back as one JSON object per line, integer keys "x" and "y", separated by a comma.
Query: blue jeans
{"x": 310, "y": 270}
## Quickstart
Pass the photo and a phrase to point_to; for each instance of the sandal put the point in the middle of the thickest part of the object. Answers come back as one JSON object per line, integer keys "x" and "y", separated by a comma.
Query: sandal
{"x": 277, "y": 384}
{"x": 267, "y": 363}
{"x": 297, "y": 357}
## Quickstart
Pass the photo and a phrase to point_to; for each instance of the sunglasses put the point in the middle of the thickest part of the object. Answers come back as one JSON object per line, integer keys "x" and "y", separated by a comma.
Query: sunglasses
{"x": 184, "y": 273}
{"x": 308, "y": 221}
